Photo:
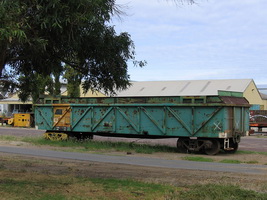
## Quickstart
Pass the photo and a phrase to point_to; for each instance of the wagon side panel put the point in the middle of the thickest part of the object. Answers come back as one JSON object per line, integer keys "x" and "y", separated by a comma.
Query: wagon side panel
{"x": 44, "y": 117}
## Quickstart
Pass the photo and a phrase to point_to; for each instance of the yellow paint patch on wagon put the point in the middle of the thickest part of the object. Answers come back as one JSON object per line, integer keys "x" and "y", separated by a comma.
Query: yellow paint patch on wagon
{"x": 62, "y": 116}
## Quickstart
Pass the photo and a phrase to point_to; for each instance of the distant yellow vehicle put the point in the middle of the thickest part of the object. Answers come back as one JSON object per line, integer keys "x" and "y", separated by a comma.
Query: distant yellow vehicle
{"x": 21, "y": 120}
{"x": 10, "y": 121}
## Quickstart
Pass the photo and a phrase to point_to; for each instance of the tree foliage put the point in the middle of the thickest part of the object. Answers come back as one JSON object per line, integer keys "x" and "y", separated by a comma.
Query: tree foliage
{"x": 37, "y": 37}
{"x": 74, "y": 79}
{"x": 37, "y": 83}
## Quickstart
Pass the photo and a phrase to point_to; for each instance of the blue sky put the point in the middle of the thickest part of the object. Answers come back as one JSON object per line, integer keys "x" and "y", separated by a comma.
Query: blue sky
{"x": 211, "y": 40}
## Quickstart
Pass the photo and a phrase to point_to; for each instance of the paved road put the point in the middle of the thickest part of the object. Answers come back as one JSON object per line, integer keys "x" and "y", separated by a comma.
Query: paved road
{"x": 141, "y": 161}
{"x": 20, "y": 131}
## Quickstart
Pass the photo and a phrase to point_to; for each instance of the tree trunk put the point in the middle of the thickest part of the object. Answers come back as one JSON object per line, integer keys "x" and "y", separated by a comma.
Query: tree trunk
{"x": 3, "y": 49}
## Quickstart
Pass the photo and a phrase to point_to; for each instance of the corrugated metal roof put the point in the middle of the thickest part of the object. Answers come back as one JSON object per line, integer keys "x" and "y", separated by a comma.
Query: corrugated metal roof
{"x": 184, "y": 87}
{"x": 14, "y": 100}
{"x": 263, "y": 96}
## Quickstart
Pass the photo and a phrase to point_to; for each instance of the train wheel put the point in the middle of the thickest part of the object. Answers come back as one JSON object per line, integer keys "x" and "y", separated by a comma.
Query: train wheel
{"x": 180, "y": 145}
{"x": 214, "y": 147}
{"x": 235, "y": 147}
{"x": 55, "y": 136}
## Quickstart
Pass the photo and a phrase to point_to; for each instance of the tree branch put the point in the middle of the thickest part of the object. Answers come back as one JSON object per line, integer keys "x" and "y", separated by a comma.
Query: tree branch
{"x": 73, "y": 65}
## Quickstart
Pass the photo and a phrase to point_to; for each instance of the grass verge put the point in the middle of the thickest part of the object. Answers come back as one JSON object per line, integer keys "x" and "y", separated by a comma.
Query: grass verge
{"x": 220, "y": 192}
{"x": 251, "y": 152}
{"x": 91, "y": 145}
{"x": 198, "y": 159}
{"x": 18, "y": 185}
{"x": 238, "y": 161}
{"x": 10, "y": 138}
{"x": 230, "y": 161}
{"x": 40, "y": 186}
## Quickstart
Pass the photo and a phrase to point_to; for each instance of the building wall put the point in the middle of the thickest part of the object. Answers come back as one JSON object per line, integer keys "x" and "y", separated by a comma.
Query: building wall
{"x": 253, "y": 96}
{"x": 3, "y": 109}
{"x": 92, "y": 94}
{"x": 264, "y": 104}
{"x": 88, "y": 94}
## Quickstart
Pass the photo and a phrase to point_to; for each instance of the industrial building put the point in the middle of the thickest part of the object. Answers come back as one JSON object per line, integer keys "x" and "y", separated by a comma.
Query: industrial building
{"x": 164, "y": 88}
{"x": 197, "y": 88}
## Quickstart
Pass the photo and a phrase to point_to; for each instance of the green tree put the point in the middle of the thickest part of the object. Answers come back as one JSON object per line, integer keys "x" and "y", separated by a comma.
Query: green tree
{"x": 42, "y": 85}
{"x": 39, "y": 36}
{"x": 74, "y": 79}
{"x": 38, "y": 84}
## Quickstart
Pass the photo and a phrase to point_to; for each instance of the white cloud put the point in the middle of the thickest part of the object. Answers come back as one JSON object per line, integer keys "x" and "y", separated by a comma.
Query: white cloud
{"x": 214, "y": 39}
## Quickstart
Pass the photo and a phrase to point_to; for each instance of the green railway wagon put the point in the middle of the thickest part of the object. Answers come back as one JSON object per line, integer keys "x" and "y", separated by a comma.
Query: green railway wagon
{"x": 199, "y": 123}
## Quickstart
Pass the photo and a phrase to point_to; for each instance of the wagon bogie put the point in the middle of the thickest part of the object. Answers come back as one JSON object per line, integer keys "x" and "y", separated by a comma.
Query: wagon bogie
{"x": 210, "y": 146}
